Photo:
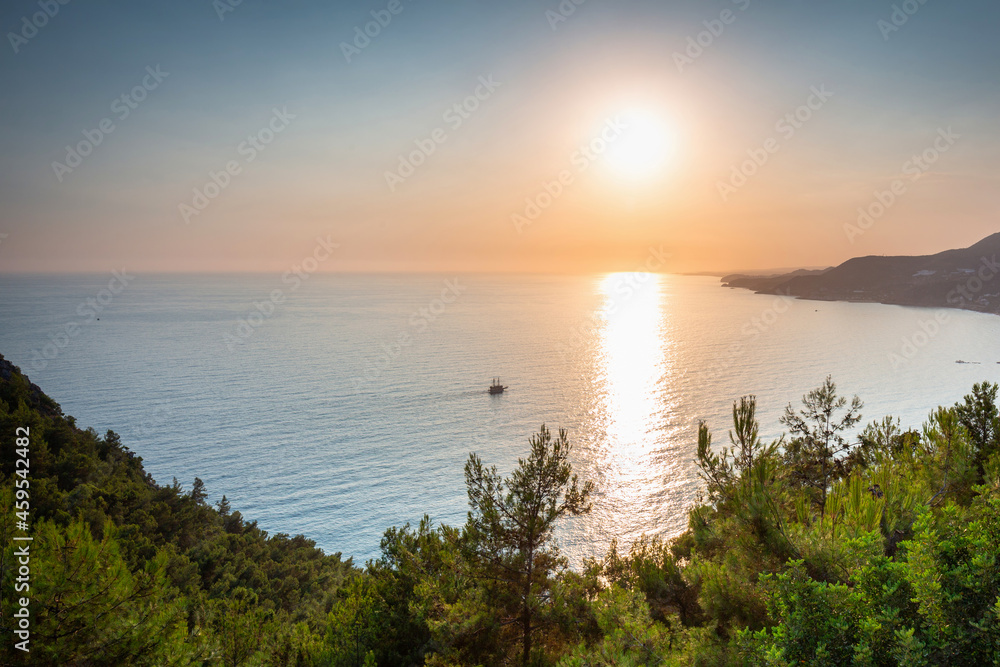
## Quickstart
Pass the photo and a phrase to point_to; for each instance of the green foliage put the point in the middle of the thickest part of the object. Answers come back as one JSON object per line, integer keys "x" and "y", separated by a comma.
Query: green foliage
{"x": 159, "y": 576}
{"x": 87, "y": 607}
{"x": 815, "y": 453}
{"x": 953, "y": 565}
{"x": 950, "y": 463}
{"x": 738, "y": 468}
{"x": 862, "y": 594}
{"x": 745, "y": 532}
{"x": 507, "y": 538}
{"x": 628, "y": 635}
{"x": 652, "y": 569}
{"x": 979, "y": 415}
{"x": 385, "y": 610}
{"x": 879, "y": 443}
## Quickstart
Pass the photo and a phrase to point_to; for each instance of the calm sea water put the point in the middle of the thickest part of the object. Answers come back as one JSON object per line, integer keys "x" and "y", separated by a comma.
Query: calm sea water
{"x": 352, "y": 405}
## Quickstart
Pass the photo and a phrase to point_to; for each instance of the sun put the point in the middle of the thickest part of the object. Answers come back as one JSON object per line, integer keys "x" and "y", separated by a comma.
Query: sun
{"x": 643, "y": 147}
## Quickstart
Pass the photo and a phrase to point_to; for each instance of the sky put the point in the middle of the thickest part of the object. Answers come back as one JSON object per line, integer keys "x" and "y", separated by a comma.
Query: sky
{"x": 687, "y": 136}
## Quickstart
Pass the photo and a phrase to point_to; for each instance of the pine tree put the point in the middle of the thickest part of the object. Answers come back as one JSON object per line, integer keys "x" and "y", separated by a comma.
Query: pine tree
{"x": 815, "y": 452}
{"x": 90, "y": 609}
{"x": 510, "y": 527}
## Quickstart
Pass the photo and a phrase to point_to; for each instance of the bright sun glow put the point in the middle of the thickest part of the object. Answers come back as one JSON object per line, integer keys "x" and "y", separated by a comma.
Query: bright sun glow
{"x": 643, "y": 146}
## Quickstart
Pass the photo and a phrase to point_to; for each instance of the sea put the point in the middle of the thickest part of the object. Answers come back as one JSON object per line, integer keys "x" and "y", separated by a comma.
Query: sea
{"x": 337, "y": 406}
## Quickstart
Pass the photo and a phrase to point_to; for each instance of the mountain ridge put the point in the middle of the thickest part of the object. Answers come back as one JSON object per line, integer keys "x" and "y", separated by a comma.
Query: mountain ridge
{"x": 958, "y": 278}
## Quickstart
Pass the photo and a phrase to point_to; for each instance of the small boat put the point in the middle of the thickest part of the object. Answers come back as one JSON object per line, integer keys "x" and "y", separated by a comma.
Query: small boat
{"x": 496, "y": 387}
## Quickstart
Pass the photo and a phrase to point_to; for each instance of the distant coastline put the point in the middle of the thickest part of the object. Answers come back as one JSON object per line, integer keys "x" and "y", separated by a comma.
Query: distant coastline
{"x": 966, "y": 279}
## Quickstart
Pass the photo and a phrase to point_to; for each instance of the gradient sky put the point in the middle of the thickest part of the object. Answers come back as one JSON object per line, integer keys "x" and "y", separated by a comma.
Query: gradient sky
{"x": 324, "y": 175}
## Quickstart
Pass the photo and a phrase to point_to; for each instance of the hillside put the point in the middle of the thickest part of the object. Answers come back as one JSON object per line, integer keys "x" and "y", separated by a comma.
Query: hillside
{"x": 963, "y": 278}
{"x": 125, "y": 571}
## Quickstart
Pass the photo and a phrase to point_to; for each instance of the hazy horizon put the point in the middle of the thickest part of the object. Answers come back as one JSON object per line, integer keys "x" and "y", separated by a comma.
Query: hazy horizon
{"x": 733, "y": 135}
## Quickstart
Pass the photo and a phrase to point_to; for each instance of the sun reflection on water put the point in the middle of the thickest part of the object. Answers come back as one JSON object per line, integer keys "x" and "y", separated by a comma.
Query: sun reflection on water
{"x": 635, "y": 450}
{"x": 631, "y": 362}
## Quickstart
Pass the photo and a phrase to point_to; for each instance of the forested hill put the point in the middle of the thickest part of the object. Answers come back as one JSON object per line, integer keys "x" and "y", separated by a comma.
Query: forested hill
{"x": 966, "y": 278}
{"x": 126, "y": 571}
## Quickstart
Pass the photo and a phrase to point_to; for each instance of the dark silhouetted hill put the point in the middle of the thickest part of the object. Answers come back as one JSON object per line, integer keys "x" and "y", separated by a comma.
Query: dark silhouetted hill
{"x": 966, "y": 278}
